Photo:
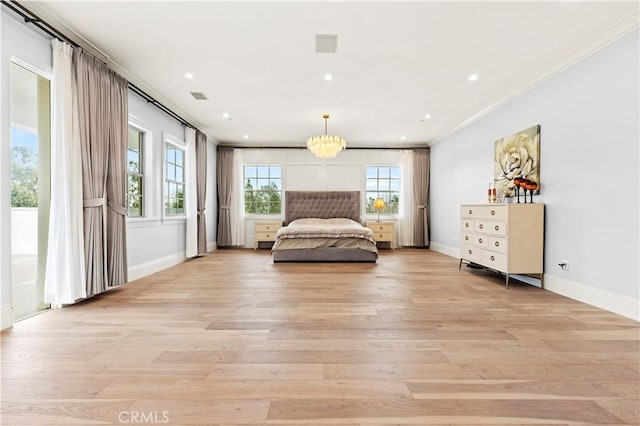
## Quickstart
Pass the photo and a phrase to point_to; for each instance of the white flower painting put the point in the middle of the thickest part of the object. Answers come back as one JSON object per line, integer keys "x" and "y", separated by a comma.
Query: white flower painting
{"x": 517, "y": 156}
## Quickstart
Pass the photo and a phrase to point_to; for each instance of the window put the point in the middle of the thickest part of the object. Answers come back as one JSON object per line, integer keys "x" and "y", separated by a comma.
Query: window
{"x": 263, "y": 189}
{"x": 135, "y": 170}
{"x": 174, "y": 180}
{"x": 383, "y": 182}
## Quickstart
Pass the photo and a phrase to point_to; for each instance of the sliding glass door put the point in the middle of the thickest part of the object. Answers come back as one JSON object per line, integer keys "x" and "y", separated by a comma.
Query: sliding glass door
{"x": 30, "y": 188}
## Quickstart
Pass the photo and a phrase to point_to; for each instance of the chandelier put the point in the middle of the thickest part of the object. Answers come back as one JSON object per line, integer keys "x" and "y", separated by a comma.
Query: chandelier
{"x": 326, "y": 146}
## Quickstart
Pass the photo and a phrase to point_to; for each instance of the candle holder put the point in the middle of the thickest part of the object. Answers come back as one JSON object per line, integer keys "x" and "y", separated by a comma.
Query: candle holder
{"x": 516, "y": 182}
{"x": 531, "y": 187}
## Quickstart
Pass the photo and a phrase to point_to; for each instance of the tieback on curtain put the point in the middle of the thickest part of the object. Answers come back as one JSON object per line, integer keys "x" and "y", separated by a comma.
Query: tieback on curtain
{"x": 94, "y": 202}
{"x": 420, "y": 207}
{"x": 201, "y": 211}
{"x": 225, "y": 208}
{"x": 118, "y": 209}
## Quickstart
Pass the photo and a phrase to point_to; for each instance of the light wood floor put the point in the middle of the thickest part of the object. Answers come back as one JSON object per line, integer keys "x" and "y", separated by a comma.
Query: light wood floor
{"x": 232, "y": 338}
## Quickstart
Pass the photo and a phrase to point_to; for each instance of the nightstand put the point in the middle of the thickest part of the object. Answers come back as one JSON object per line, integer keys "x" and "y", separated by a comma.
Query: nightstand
{"x": 383, "y": 232}
{"x": 266, "y": 232}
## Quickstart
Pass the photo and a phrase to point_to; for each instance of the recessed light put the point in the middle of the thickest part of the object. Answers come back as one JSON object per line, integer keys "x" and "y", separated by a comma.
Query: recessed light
{"x": 245, "y": 136}
{"x": 328, "y": 76}
{"x": 473, "y": 77}
{"x": 403, "y": 137}
{"x": 225, "y": 115}
{"x": 427, "y": 116}
{"x": 188, "y": 75}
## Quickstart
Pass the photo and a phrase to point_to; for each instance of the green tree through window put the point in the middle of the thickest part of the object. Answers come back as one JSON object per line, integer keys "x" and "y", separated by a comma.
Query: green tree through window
{"x": 263, "y": 189}
{"x": 24, "y": 177}
{"x": 383, "y": 182}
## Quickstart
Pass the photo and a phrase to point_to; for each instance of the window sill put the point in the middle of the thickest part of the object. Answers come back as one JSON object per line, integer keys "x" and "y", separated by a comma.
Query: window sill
{"x": 254, "y": 216}
{"x": 142, "y": 222}
{"x": 174, "y": 220}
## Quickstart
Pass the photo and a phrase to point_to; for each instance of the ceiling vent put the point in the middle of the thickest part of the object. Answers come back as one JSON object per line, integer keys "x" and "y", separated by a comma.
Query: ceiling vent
{"x": 326, "y": 43}
{"x": 199, "y": 96}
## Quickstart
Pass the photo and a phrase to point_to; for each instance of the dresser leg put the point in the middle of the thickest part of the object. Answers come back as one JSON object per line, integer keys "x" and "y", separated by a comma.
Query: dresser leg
{"x": 541, "y": 280}
{"x": 507, "y": 281}
{"x": 460, "y": 264}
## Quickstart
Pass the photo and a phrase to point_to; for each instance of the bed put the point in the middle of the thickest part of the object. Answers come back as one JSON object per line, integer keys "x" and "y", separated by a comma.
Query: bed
{"x": 323, "y": 226}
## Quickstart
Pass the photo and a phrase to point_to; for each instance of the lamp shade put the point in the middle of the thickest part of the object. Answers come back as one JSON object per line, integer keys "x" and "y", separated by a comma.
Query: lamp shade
{"x": 378, "y": 204}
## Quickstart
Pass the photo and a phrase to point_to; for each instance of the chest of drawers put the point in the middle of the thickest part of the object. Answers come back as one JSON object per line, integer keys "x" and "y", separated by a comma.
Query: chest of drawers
{"x": 508, "y": 238}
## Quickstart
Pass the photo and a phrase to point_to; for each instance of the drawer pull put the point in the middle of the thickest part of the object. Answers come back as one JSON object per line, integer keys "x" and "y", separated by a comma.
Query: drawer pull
{"x": 466, "y": 238}
{"x": 480, "y": 240}
{"x": 470, "y": 211}
{"x": 466, "y": 224}
{"x": 493, "y": 258}
{"x": 480, "y": 226}
{"x": 497, "y": 228}
{"x": 267, "y": 227}
{"x": 493, "y": 212}
{"x": 497, "y": 244}
{"x": 268, "y": 235}
{"x": 470, "y": 252}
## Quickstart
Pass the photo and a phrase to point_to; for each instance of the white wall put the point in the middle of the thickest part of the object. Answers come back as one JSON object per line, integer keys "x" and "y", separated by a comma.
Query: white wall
{"x": 588, "y": 169}
{"x": 302, "y": 171}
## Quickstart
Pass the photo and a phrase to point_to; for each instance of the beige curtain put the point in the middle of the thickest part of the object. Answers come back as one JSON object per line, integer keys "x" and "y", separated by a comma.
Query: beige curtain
{"x": 421, "y": 197}
{"x": 224, "y": 174}
{"x": 102, "y": 117}
{"x": 201, "y": 188}
{"x": 117, "y": 269}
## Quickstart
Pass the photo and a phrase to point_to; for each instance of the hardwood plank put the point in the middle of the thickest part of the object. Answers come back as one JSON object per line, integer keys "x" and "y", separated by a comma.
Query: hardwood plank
{"x": 435, "y": 411}
{"x": 238, "y": 371}
{"x": 255, "y": 389}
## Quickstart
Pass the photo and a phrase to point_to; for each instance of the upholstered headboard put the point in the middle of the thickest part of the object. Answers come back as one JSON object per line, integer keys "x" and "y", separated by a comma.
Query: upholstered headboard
{"x": 321, "y": 204}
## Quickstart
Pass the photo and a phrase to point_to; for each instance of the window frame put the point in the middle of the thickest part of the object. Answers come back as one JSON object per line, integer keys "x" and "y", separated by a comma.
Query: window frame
{"x": 383, "y": 214}
{"x": 139, "y": 173}
{"x": 169, "y": 139}
{"x": 149, "y": 211}
{"x": 281, "y": 190}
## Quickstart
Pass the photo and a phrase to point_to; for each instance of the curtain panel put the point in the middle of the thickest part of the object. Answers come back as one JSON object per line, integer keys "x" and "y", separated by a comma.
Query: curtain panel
{"x": 421, "y": 161}
{"x": 237, "y": 200}
{"x": 201, "y": 189}
{"x": 117, "y": 181}
{"x": 64, "y": 281}
{"x": 224, "y": 174}
{"x": 408, "y": 203}
{"x": 191, "y": 239}
{"x": 102, "y": 114}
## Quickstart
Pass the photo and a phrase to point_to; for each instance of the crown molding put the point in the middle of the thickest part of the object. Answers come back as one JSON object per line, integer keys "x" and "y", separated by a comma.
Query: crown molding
{"x": 602, "y": 40}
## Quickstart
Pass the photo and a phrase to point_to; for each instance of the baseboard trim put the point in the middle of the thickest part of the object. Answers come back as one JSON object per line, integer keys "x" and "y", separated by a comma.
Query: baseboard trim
{"x": 155, "y": 265}
{"x": 609, "y": 301}
{"x": 444, "y": 249}
{"x": 613, "y": 302}
{"x": 211, "y": 246}
{"x": 6, "y": 316}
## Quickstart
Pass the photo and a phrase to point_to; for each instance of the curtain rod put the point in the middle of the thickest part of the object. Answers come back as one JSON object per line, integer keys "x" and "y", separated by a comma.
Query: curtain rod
{"x": 31, "y": 18}
{"x": 221, "y": 145}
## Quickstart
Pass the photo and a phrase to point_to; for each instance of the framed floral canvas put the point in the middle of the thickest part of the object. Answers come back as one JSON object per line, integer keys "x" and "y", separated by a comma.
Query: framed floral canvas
{"x": 517, "y": 156}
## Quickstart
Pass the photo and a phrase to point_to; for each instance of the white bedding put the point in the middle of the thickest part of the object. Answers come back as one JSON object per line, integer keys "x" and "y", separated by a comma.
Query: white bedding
{"x": 325, "y": 228}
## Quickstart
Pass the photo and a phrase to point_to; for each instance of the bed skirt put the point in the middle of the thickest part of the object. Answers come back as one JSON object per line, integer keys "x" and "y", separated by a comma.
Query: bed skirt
{"x": 328, "y": 254}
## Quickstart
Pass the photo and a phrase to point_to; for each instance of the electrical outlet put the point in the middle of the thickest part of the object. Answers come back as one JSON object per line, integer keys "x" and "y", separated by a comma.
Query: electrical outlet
{"x": 564, "y": 265}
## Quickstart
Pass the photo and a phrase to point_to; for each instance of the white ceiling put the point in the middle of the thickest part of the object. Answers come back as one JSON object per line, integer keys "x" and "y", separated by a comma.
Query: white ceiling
{"x": 396, "y": 61}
